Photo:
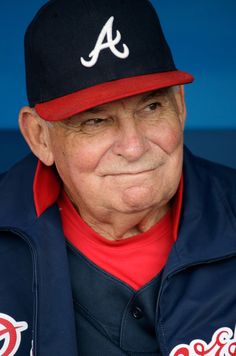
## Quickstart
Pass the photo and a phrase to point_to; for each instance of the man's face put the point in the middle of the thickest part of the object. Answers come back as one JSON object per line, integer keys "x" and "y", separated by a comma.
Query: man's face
{"x": 125, "y": 156}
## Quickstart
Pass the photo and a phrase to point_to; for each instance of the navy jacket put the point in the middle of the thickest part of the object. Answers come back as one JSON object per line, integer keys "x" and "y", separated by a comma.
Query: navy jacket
{"x": 197, "y": 298}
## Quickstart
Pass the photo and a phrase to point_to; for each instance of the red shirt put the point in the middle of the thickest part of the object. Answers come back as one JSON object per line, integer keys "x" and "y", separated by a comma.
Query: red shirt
{"x": 135, "y": 260}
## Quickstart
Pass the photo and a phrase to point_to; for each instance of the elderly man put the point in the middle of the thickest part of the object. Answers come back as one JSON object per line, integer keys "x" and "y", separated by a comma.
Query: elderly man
{"x": 114, "y": 239}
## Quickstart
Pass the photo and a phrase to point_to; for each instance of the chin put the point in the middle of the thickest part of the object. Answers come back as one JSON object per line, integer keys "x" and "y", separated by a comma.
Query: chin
{"x": 137, "y": 199}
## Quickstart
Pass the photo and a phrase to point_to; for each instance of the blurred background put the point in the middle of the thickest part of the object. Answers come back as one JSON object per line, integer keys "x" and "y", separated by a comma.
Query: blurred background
{"x": 202, "y": 36}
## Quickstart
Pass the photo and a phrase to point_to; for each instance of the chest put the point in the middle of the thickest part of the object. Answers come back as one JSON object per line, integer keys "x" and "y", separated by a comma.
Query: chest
{"x": 120, "y": 320}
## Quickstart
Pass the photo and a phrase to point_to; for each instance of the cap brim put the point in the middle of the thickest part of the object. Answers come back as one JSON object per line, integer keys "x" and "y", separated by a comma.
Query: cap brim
{"x": 66, "y": 106}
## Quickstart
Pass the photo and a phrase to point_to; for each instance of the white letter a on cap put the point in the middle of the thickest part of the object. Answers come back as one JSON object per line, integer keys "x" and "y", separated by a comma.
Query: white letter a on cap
{"x": 111, "y": 43}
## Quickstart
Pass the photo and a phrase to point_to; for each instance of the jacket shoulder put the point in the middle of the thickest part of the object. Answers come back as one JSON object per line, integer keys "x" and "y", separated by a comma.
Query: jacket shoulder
{"x": 213, "y": 177}
{"x": 16, "y": 192}
{"x": 212, "y": 169}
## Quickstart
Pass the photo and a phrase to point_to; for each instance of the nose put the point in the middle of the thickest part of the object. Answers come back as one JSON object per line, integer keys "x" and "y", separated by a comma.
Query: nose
{"x": 130, "y": 142}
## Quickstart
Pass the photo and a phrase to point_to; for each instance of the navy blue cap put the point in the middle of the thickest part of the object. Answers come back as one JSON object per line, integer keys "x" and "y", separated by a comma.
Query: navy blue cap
{"x": 83, "y": 53}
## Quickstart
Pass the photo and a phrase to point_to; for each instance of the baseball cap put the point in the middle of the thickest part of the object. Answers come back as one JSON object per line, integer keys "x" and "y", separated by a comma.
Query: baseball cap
{"x": 83, "y": 53}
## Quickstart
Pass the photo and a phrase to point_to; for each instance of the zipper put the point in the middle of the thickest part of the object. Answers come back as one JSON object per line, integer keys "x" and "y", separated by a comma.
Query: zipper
{"x": 27, "y": 240}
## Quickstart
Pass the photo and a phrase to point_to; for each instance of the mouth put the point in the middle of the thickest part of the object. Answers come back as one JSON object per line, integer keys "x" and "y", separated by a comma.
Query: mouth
{"x": 131, "y": 173}
{"x": 129, "y": 170}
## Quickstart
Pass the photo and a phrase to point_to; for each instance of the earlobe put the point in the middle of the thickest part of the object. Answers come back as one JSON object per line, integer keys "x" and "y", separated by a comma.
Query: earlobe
{"x": 35, "y": 132}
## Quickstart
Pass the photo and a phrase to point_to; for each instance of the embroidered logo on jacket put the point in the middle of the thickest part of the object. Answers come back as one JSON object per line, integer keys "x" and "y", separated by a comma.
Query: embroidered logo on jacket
{"x": 10, "y": 334}
{"x": 223, "y": 343}
{"x": 101, "y": 44}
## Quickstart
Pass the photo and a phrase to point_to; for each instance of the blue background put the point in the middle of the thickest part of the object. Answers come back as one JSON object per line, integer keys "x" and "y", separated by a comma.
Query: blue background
{"x": 202, "y": 36}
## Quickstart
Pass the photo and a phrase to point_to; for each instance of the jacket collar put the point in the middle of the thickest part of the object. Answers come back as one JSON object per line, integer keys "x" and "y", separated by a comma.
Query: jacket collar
{"x": 208, "y": 222}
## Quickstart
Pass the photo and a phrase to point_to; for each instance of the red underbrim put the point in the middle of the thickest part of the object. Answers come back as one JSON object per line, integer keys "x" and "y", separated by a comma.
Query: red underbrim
{"x": 82, "y": 100}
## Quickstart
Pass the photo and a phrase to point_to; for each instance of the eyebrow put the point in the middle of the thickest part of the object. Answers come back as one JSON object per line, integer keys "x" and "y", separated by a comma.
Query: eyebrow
{"x": 95, "y": 109}
{"x": 146, "y": 97}
{"x": 153, "y": 94}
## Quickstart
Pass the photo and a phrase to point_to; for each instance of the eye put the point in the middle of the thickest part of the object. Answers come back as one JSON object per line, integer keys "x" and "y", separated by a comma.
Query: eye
{"x": 152, "y": 107}
{"x": 93, "y": 122}
{"x": 96, "y": 124}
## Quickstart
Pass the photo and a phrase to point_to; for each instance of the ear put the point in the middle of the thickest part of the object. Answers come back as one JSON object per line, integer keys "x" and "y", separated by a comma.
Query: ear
{"x": 36, "y": 134}
{"x": 180, "y": 101}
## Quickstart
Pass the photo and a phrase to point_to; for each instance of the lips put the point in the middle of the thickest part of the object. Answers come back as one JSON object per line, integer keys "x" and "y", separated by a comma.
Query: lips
{"x": 120, "y": 172}
{"x": 116, "y": 169}
{"x": 133, "y": 173}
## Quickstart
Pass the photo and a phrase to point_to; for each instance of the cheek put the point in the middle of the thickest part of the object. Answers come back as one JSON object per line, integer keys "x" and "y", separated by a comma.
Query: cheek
{"x": 80, "y": 156}
{"x": 168, "y": 136}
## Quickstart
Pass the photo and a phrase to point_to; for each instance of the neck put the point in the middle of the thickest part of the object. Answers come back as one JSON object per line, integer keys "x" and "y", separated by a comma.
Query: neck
{"x": 120, "y": 226}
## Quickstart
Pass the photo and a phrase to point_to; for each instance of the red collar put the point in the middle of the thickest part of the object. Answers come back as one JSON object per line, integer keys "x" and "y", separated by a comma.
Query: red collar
{"x": 47, "y": 187}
